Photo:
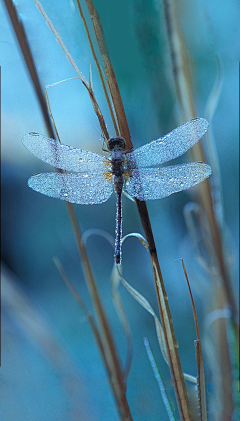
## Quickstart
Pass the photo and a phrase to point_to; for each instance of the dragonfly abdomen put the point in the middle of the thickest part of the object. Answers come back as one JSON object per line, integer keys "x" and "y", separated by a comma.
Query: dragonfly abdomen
{"x": 118, "y": 231}
{"x": 117, "y": 159}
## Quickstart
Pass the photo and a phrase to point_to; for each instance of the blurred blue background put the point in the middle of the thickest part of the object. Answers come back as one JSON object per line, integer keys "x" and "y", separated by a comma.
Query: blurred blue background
{"x": 51, "y": 367}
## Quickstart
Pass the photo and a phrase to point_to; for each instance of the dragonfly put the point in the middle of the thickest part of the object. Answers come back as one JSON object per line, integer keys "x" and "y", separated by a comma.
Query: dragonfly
{"x": 93, "y": 177}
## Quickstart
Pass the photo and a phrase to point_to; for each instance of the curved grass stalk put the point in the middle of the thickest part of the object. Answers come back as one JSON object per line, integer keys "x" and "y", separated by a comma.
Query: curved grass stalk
{"x": 223, "y": 296}
{"x": 99, "y": 69}
{"x": 185, "y": 97}
{"x": 146, "y": 305}
{"x": 116, "y": 299}
{"x": 159, "y": 379}
{"x": 28, "y": 58}
{"x": 110, "y": 353}
{"x": 171, "y": 343}
{"x": 113, "y": 367}
{"x": 93, "y": 325}
{"x": 110, "y": 74}
{"x": 169, "y": 335}
{"x": 199, "y": 358}
{"x": 82, "y": 305}
{"x": 216, "y": 185}
{"x": 74, "y": 65}
{"x": 124, "y": 321}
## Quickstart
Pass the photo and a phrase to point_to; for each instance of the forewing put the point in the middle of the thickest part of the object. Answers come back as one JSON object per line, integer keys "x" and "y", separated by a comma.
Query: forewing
{"x": 62, "y": 156}
{"x": 156, "y": 183}
{"x": 85, "y": 189}
{"x": 174, "y": 144}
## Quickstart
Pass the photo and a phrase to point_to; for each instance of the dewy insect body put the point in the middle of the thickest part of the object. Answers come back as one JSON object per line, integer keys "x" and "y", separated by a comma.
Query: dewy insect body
{"x": 116, "y": 145}
{"x": 94, "y": 176}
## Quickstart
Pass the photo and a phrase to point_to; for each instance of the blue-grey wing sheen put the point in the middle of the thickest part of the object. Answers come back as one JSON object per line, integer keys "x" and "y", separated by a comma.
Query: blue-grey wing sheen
{"x": 62, "y": 156}
{"x": 81, "y": 188}
{"x": 156, "y": 183}
{"x": 169, "y": 147}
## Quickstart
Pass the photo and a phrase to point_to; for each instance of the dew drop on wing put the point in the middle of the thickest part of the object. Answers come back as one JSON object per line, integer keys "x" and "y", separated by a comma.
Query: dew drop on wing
{"x": 63, "y": 156}
{"x": 157, "y": 183}
{"x": 74, "y": 188}
{"x": 169, "y": 147}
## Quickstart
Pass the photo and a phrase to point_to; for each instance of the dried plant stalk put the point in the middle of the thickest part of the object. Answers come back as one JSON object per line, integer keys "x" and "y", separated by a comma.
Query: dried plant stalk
{"x": 80, "y": 75}
{"x": 172, "y": 346}
{"x": 185, "y": 97}
{"x": 99, "y": 69}
{"x": 111, "y": 77}
{"x": 199, "y": 359}
{"x": 109, "y": 350}
{"x": 116, "y": 380}
{"x": 224, "y": 293}
{"x": 171, "y": 343}
{"x": 26, "y": 51}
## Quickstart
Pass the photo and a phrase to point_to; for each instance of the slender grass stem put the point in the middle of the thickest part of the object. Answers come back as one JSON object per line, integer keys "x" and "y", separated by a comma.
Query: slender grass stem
{"x": 166, "y": 318}
{"x": 180, "y": 66}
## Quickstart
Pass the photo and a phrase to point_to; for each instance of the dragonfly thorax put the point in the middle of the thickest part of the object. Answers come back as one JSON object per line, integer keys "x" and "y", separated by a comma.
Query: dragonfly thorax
{"x": 116, "y": 143}
{"x": 117, "y": 160}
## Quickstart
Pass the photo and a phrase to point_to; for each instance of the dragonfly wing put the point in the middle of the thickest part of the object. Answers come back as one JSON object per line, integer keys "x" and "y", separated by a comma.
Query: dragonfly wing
{"x": 85, "y": 189}
{"x": 62, "y": 156}
{"x": 156, "y": 183}
{"x": 174, "y": 144}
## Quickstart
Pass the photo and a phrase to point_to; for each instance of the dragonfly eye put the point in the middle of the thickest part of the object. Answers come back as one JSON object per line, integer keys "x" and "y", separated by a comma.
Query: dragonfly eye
{"x": 116, "y": 143}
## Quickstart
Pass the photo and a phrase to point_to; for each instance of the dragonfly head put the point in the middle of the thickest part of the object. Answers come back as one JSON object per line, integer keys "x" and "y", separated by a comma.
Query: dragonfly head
{"x": 116, "y": 143}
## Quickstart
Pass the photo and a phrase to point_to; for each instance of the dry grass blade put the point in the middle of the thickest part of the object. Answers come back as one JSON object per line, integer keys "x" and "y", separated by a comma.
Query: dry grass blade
{"x": 111, "y": 78}
{"x": 74, "y": 65}
{"x": 124, "y": 321}
{"x": 145, "y": 304}
{"x": 213, "y": 98}
{"x": 92, "y": 322}
{"x": 27, "y": 54}
{"x": 61, "y": 43}
{"x": 211, "y": 152}
{"x": 171, "y": 344}
{"x": 99, "y": 68}
{"x": 234, "y": 354}
{"x": 199, "y": 358}
{"x": 33, "y": 324}
{"x": 159, "y": 379}
{"x": 201, "y": 382}
{"x": 116, "y": 298}
{"x": 115, "y": 372}
{"x": 82, "y": 306}
{"x": 184, "y": 92}
{"x": 115, "y": 378}
{"x": 185, "y": 97}
{"x": 200, "y": 234}
{"x": 139, "y": 237}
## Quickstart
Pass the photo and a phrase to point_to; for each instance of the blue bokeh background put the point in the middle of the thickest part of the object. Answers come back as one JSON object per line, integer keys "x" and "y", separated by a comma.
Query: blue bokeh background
{"x": 51, "y": 367}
